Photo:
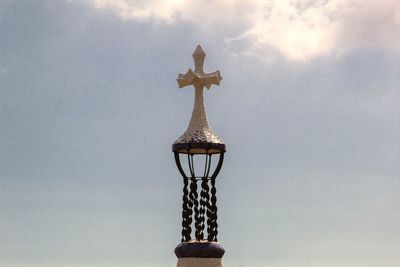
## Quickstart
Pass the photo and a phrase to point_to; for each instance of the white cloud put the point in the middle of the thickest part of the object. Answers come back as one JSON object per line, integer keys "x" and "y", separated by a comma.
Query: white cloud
{"x": 298, "y": 32}
{"x": 298, "y": 29}
{"x": 164, "y": 10}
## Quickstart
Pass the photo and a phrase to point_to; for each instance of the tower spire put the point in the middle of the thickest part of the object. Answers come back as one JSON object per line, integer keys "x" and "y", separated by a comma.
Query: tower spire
{"x": 199, "y": 199}
{"x": 199, "y": 133}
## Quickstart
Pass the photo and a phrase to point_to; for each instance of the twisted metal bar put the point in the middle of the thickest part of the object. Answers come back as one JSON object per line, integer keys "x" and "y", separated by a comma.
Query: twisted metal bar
{"x": 186, "y": 213}
{"x": 204, "y": 203}
{"x": 186, "y": 205}
{"x": 212, "y": 229}
{"x": 194, "y": 198}
{"x": 213, "y": 226}
{"x": 204, "y": 196}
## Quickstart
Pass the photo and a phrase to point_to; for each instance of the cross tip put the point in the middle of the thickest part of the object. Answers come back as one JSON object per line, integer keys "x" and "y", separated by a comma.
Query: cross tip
{"x": 199, "y": 52}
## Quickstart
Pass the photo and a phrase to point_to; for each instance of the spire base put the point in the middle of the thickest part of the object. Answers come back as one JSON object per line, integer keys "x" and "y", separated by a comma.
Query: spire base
{"x": 199, "y": 249}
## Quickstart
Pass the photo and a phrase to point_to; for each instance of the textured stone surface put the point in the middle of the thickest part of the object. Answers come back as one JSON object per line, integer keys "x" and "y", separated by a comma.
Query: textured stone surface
{"x": 199, "y": 262}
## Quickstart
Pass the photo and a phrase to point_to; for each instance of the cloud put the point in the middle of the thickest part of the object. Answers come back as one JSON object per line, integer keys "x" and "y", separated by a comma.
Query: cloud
{"x": 298, "y": 29}
{"x": 165, "y": 11}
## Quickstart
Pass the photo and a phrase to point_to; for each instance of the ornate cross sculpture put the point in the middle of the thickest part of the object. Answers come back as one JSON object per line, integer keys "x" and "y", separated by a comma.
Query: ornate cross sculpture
{"x": 199, "y": 138}
{"x": 198, "y": 78}
{"x": 199, "y": 141}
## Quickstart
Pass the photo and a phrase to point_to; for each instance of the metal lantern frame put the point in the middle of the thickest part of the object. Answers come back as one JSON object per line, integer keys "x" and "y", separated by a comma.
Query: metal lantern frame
{"x": 194, "y": 207}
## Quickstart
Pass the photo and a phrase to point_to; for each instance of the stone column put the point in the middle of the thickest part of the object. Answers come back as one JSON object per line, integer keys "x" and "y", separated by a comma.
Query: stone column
{"x": 199, "y": 254}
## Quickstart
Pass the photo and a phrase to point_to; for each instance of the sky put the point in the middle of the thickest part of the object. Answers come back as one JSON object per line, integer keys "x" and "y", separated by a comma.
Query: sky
{"x": 308, "y": 107}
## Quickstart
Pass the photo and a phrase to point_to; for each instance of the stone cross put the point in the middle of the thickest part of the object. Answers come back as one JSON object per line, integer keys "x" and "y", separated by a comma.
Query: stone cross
{"x": 199, "y": 130}
{"x": 198, "y": 78}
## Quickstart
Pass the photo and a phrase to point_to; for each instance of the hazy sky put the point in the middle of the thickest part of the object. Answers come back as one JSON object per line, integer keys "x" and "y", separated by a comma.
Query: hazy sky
{"x": 308, "y": 107}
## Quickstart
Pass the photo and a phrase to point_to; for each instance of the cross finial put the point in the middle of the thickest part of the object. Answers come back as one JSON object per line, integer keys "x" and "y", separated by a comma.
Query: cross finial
{"x": 199, "y": 138}
{"x": 198, "y": 78}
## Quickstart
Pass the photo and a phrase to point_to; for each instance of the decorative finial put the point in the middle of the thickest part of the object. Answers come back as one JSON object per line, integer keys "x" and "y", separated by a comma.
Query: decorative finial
{"x": 199, "y": 133}
{"x": 198, "y": 78}
{"x": 199, "y": 245}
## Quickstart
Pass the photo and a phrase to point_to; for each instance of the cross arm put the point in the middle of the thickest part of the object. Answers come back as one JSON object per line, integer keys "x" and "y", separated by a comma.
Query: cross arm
{"x": 199, "y": 79}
